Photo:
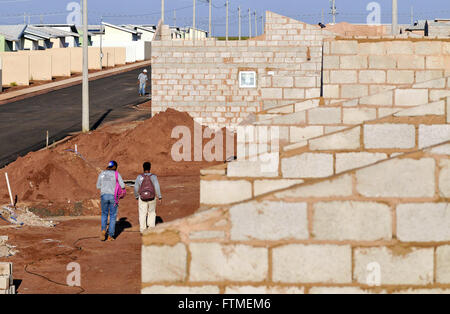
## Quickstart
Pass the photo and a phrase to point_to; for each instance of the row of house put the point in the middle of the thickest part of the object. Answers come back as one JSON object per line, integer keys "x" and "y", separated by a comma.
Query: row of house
{"x": 45, "y": 36}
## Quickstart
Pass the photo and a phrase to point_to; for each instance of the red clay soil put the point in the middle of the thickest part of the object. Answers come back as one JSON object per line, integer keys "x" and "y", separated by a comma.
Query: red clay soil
{"x": 58, "y": 182}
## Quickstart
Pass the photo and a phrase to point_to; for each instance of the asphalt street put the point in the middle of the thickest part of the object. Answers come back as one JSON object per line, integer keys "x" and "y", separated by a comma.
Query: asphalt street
{"x": 24, "y": 123}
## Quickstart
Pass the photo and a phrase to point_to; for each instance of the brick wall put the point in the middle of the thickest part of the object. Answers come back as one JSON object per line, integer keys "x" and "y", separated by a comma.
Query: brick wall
{"x": 359, "y": 67}
{"x": 386, "y": 224}
{"x": 320, "y": 156}
{"x": 201, "y": 77}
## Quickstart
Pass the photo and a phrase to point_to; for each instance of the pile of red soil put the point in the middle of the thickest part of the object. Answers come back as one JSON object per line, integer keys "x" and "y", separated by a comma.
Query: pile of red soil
{"x": 149, "y": 141}
{"x": 50, "y": 179}
{"x": 60, "y": 182}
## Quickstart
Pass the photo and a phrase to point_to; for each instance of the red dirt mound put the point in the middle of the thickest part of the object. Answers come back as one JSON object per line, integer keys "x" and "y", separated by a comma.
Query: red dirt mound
{"x": 50, "y": 179}
{"x": 60, "y": 182}
{"x": 148, "y": 141}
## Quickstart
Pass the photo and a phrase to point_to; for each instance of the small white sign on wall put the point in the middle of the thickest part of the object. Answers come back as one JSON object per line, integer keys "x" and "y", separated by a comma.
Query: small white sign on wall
{"x": 247, "y": 79}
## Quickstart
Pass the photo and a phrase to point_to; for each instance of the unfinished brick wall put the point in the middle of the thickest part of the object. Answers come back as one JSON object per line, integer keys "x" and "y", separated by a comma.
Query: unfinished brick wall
{"x": 406, "y": 131}
{"x": 384, "y": 225}
{"x": 6, "y": 279}
{"x": 360, "y": 67}
{"x": 202, "y": 77}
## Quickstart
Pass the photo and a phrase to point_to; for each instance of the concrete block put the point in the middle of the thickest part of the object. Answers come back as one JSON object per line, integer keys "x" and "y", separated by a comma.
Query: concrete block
{"x": 430, "y": 135}
{"x": 411, "y": 266}
{"x": 349, "y": 161}
{"x": 338, "y": 141}
{"x": 305, "y": 81}
{"x": 381, "y": 99}
{"x": 224, "y": 192}
{"x": 181, "y": 290}
{"x": 298, "y": 134}
{"x": 400, "y": 77}
{"x": 381, "y": 62}
{"x": 423, "y": 76}
{"x": 312, "y": 264}
{"x": 372, "y": 77}
{"x": 410, "y": 62}
{"x": 359, "y": 221}
{"x": 353, "y": 62}
{"x": 389, "y": 136}
{"x": 272, "y": 93}
{"x": 324, "y": 116}
{"x": 265, "y": 186}
{"x": 331, "y": 62}
{"x": 257, "y": 168}
{"x": 339, "y": 187}
{"x": 5, "y": 269}
{"x": 411, "y": 97}
{"x": 399, "y": 48}
{"x": 444, "y": 177}
{"x": 212, "y": 262}
{"x": 294, "y": 93}
{"x": 358, "y": 116}
{"x": 344, "y": 47}
{"x": 443, "y": 264}
{"x": 427, "y": 48}
{"x": 436, "y": 108}
{"x": 438, "y": 83}
{"x": 283, "y": 81}
{"x": 354, "y": 91}
{"x": 343, "y": 77}
{"x": 308, "y": 165}
{"x": 331, "y": 91}
{"x": 423, "y": 222}
{"x": 339, "y": 290}
{"x": 164, "y": 263}
{"x": 373, "y": 48}
{"x": 398, "y": 178}
{"x": 262, "y": 221}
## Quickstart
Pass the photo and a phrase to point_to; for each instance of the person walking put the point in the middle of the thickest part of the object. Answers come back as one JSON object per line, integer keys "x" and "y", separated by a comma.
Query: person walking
{"x": 142, "y": 78}
{"x": 146, "y": 190}
{"x": 108, "y": 182}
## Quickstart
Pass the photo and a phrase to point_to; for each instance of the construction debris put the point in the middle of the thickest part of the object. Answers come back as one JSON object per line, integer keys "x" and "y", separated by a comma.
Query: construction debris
{"x": 23, "y": 217}
{"x": 6, "y": 250}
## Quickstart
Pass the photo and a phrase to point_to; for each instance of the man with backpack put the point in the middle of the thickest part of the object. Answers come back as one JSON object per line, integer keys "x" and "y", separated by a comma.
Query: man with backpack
{"x": 146, "y": 189}
{"x": 112, "y": 188}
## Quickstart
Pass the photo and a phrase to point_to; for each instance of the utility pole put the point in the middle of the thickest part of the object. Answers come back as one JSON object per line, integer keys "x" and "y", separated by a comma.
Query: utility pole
{"x": 227, "y": 4}
{"x": 262, "y": 25}
{"x": 101, "y": 43}
{"x": 24, "y": 18}
{"x": 162, "y": 11}
{"x": 210, "y": 18}
{"x": 193, "y": 22}
{"x": 250, "y": 23}
{"x": 412, "y": 15}
{"x": 240, "y": 25}
{"x": 333, "y": 10}
{"x": 256, "y": 25}
{"x": 85, "y": 114}
{"x": 175, "y": 18}
{"x": 394, "y": 17}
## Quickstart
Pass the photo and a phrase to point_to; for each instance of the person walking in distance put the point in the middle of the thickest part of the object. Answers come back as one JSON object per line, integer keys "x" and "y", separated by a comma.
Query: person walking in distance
{"x": 112, "y": 188}
{"x": 142, "y": 79}
{"x": 146, "y": 190}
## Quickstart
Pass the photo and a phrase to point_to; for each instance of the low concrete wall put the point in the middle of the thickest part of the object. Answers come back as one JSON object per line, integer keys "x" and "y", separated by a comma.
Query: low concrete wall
{"x": 94, "y": 59}
{"x": 16, "y": 69}
{"x": 76, "y": 60}
{"x": 40, "y": 66}
{"x": 120, "y": 55}
{"x": 60, "y": 61}
{"x": 109, "y": 57}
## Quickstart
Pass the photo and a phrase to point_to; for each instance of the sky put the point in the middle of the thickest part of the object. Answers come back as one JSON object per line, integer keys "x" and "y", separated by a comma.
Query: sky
{"x": 149, "y": 11}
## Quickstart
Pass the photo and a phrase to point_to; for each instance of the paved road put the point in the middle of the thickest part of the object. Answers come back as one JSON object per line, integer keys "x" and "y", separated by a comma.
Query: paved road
{"x": 24, "y": 123}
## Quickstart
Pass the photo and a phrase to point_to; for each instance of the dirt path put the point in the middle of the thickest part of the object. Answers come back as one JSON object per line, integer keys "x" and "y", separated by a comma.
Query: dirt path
{"x": 106, "y": 267}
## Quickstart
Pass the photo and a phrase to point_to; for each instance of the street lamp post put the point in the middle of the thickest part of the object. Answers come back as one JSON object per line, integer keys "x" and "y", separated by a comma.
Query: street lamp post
{"x": 85, "y": 113}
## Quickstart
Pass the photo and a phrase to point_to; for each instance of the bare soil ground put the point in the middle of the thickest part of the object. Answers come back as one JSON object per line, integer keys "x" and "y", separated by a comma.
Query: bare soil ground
{"x": 55, "y": 182}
